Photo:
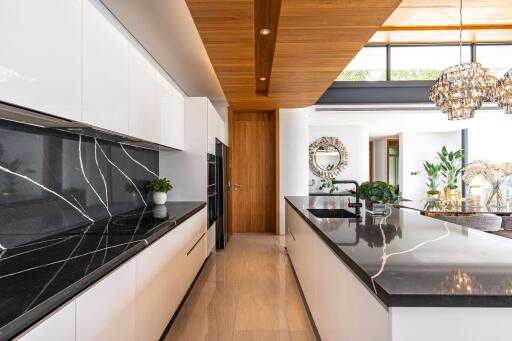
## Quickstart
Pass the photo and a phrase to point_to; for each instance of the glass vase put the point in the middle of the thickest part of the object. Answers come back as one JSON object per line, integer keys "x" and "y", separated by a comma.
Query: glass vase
{"x": 495, "y": 198}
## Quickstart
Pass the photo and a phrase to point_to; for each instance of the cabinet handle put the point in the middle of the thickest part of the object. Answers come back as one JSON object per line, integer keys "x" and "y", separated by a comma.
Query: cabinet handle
{"x": 291, "y": 234}
{"x": 193, "y": 247}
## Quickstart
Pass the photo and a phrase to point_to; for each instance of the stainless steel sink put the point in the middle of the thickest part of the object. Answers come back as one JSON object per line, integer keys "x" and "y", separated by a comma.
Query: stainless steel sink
{"x": 331, "y": 213}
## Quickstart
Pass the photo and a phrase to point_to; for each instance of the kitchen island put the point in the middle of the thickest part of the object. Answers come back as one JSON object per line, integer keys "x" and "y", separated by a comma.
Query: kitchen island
{"x": 401, "y": 277}
{"x": 435, "y": 207}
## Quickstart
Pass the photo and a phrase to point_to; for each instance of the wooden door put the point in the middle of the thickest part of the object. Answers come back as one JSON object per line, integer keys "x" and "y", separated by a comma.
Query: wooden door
{"x": 253, "y": 172}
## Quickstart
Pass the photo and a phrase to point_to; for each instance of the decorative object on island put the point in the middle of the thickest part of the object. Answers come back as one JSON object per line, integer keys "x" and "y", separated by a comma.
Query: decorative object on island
{"x": 451, "y": 166}
{"x": 327, "y": 183}
{"x": 461, "y": 89}
{"x": 433, "y": 172}
{"x": 377, "y": 194}
{"x": 494, "y": 173}
{"x": 503, "y": 92}
{"x": 159, "y": 187}
{"x": 327, "y": 151}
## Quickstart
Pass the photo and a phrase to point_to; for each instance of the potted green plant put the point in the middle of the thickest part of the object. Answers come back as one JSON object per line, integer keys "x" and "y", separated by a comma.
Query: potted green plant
{"x": 434, "y": 173}
{"x": 159, "y": 187}
{"x": 451, "y": 165}
{"x": 377, "y": 194}
{"x": 328, "y": 185}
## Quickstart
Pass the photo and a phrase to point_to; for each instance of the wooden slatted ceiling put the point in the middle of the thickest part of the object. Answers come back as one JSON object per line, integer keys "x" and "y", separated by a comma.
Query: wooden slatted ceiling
{"x": 427, "y": 21}
{"x": 316, "y": 39}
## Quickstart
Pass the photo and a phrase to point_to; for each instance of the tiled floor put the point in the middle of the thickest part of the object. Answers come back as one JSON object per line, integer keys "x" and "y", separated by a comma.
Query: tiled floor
{"x": 246, "y": 293}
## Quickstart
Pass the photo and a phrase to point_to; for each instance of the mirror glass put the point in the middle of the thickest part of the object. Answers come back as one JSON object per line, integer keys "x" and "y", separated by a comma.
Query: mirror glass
{"x": 327, "y": 157}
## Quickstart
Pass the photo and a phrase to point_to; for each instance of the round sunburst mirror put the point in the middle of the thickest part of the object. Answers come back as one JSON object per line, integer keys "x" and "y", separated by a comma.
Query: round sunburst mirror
{"x": 328, "y": 157}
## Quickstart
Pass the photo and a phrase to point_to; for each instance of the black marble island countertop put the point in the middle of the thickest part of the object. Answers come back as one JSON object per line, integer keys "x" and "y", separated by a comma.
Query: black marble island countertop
{"x": 438, "y": 207}
{"x": 38, "y": 277}
{"x": 410, "y": 260}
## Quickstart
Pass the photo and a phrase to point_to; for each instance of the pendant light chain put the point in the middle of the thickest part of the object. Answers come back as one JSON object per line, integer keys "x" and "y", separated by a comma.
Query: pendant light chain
{"x": 460, "y": 33}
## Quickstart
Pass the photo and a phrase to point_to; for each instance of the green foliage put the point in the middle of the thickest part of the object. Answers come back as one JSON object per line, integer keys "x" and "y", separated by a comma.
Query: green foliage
{"x": 434, "y": 173}
{"x": 378, "y": 192}
{"x": 451, "y": 165}
{"x": 328, "y": 182}
{"x": 161, "y": 185}
{"x": 396, "y": 75}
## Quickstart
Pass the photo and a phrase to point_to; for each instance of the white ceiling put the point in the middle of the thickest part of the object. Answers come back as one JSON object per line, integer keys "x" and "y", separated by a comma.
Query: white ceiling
{"x": 387, "y": 120}
{"x": 167, "y": 31}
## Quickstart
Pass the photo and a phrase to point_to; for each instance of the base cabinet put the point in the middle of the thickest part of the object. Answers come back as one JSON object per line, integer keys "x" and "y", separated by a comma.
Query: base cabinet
{"x": 106, "y": 311}
{"x": 341, "y": 306}
{"x": 58, "y": 326}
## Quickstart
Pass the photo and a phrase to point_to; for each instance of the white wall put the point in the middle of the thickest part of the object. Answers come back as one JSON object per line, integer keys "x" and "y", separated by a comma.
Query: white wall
{"x": 293, "y": 149}
{"x": 356, "y": 140}
{"x": 380, "y": 159}
{"x": 490, "y": 141}
{"x": 416, "y": 148}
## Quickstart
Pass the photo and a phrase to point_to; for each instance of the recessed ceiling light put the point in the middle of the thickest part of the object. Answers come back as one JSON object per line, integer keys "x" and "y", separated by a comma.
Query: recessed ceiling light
{"x": 265, "y": 31}
{"x": 263, "y": 78}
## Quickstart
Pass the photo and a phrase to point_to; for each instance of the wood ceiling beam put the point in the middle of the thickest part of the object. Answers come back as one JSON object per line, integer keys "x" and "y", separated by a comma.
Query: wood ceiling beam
{"x": 266, "y": 20}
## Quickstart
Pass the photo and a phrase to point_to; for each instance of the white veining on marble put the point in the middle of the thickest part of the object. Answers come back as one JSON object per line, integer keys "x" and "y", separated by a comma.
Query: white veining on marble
{"x": 85, "y": 176}
{"x": 39, "y": 248}
{"x": 385, "y": 256}
{"x": 62, "y": 260}
{"x": 137, "y": 162}
{"x": 119, "y": 169}
{"x": 2, "y": 247}
{"x": 101, "y": 173}
{"x": 48, "y": 190}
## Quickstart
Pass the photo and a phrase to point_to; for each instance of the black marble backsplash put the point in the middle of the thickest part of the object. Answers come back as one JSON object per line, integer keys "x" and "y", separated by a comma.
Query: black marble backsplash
{"x": 52, "y": 181}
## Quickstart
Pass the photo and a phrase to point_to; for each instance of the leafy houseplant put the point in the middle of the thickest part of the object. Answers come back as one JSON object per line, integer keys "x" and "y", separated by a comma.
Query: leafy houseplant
{"x": 159, "y": 187}
{"x": 328, "y": 183}
{"x": 434, "y": 173}
{"x": 376, "y": 195}
{"x": 451, "y": 165}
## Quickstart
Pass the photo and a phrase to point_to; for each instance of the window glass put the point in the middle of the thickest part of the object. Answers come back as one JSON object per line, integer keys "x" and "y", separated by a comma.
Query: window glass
{"x": 424, "y": 62}
{"x": 497, "y": 58}
{"x": 368, "y": 65}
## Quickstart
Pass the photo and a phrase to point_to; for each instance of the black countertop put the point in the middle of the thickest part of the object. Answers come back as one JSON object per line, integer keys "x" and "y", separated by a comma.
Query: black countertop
{"x": 38, "y": 277}
{"x": 436, "y": 206}
{"x": 408, "y": 259}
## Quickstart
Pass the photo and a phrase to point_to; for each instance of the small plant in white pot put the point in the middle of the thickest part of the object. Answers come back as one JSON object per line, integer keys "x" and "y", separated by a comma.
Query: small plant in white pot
{"x": 159, "y": 188}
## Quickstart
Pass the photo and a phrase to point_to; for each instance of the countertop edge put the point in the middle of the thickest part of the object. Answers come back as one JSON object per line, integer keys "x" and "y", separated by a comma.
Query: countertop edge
{"x": 21, "y": 324}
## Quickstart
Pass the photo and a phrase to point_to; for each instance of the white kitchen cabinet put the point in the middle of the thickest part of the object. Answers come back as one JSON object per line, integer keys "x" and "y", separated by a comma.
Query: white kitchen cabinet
{"x": 59, "y": 326}
{"x": 165, "y": 271}
{"x": 216, "y": 127}
{"x": 339, "y": 303}
{"x": 41, "y": 55}
{"x": 172, "y": 115}
{"x": 106, "y": 311}
{"x": 144, "y": 97}
{"x": 211, "y": 239}
{"x": 106, "y": 67}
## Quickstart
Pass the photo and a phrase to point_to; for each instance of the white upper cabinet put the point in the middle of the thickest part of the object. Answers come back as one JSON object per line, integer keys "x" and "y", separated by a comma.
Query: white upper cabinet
{"x": 106, "y": 68}
{"x": 145, "y": 94}
{"x": 41, "y": 55}
{"x": 172, "y": 118}
{"x": 216, "y": 127}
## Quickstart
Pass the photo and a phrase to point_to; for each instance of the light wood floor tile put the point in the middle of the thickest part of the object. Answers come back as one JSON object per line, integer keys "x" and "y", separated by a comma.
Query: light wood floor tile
{"x": 247, "y": 293}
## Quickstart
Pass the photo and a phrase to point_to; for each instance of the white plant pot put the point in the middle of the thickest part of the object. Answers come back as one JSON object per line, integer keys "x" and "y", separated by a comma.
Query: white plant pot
{"x": 159, "y": 198}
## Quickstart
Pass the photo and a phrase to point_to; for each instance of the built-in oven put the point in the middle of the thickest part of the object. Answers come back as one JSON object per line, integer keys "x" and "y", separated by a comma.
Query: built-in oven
{"x": 212, "y": 190}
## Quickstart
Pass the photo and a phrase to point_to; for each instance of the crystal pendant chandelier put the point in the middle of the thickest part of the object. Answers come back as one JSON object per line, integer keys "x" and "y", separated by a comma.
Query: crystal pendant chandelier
{"x": 503, "y": 92}
{"x": 462, "y": 88}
